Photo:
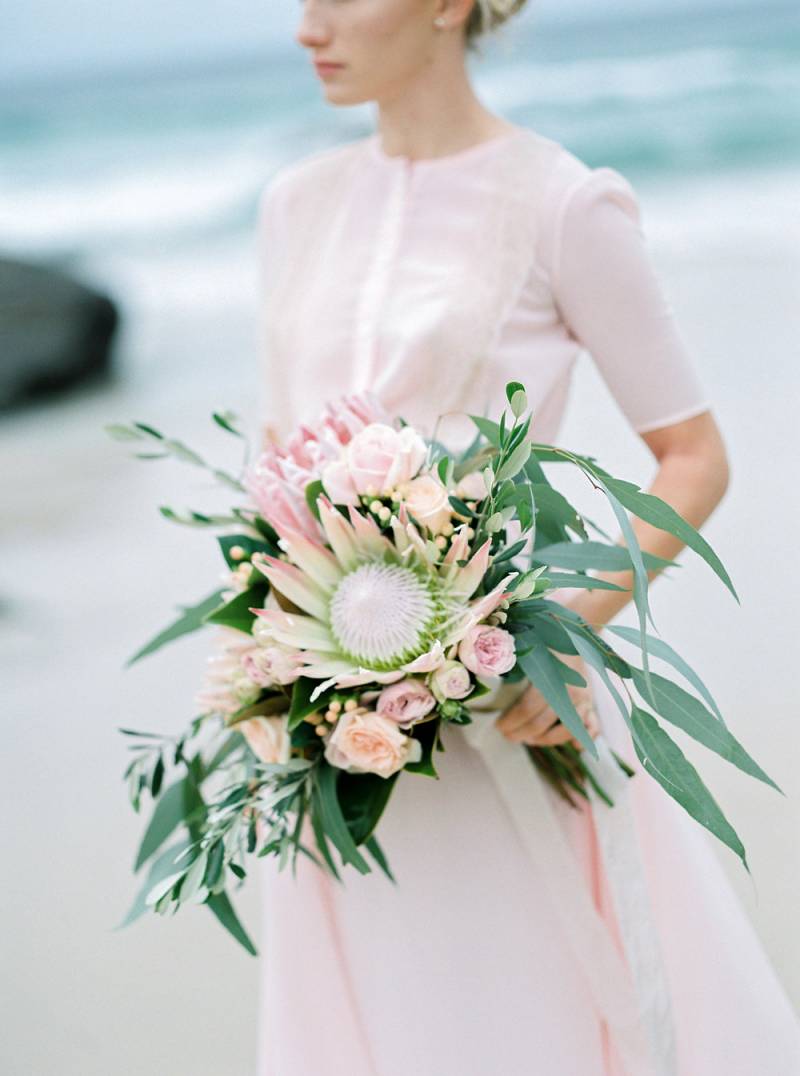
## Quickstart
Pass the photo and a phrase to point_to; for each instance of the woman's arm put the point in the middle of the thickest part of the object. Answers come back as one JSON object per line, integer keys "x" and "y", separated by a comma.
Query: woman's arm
{"x": 611, "y": 300}
{"x": 692, "y": 477}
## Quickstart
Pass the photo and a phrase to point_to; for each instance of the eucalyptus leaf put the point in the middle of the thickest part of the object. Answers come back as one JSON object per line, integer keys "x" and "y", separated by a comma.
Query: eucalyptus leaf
{"x": 330, "y": 812}
{"x": 663, "y": 759}
{"x": 680, "y": 708}
{"x": 591, "y": 554}
{"x": 659, "y": 649}
{"x": 221, "y": 907}
{"x": 659, "y": 514}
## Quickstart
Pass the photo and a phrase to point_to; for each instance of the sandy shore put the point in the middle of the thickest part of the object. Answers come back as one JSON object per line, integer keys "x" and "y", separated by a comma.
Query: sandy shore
{"x": 89, "y": 571}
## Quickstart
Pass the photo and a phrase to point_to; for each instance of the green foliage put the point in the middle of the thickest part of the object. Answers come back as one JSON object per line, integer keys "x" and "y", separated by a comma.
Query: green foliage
{"x": 192, "y": 618}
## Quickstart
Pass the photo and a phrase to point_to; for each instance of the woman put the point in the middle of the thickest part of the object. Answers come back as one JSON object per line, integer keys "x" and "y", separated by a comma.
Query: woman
{"x": 431, "y": 262}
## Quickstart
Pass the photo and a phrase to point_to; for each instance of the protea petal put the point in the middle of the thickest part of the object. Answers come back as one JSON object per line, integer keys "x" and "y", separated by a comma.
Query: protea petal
{"x": 481, "y": 607}
{"x": 401, "y": 539}
{"x": 368, "y": 534}
{"x": 428, "y": 661}
{"x": 459, "y": 546}
{"x": 313, "y": 559}
{"x": 303, "y": 632}
{"x": 368, "y": 676}
{"x": 340, "y": 535}
{"x": 466, "y": 581}
{"x": 294, "y": 585}
{"x": 322, "y": 666}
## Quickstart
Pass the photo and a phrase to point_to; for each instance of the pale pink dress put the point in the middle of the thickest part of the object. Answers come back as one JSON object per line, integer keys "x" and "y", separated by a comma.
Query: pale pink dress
{"x": 433, "y": 283}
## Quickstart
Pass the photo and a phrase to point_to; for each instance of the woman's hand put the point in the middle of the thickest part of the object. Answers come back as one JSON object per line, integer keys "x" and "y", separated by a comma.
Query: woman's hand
{"x": 533, "y": 721}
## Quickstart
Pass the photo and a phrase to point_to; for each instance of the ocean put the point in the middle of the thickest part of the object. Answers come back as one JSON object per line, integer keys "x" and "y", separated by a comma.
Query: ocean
{"x": 130, "y": 178}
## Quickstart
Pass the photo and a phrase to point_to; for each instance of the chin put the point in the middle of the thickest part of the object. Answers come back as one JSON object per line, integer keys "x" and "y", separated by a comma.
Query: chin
{"x": 336, "y": 95}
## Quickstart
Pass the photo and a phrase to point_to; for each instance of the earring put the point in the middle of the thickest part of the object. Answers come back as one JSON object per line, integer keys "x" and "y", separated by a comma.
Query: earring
{"x": 439, "y": 21}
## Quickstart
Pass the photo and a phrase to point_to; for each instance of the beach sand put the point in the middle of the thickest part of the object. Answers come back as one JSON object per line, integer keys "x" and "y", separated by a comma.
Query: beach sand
{"x": 89, "y": 571}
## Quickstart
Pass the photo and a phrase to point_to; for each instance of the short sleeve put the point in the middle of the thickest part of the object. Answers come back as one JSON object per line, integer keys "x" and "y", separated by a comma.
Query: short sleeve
{"x": 610, "y": 298}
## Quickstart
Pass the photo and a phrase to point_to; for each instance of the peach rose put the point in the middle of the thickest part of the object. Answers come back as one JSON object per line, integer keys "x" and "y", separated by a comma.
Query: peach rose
{"x": 268, "y": 737}
{"x": 426, "y": 499}
{"x": 488, "y": 651}
{"x": 379, "y": 457}
{"x": 451, "y": 681}
{"x": 405, "y": 701}
{"x": 366, "y": 742}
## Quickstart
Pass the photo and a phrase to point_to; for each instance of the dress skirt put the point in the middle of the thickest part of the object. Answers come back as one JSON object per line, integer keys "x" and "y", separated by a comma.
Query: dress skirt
{"x": 464, "y": 967}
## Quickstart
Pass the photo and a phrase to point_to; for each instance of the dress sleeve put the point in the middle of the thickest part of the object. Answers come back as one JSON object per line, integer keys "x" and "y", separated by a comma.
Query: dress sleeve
{"x": 611, "y": 300}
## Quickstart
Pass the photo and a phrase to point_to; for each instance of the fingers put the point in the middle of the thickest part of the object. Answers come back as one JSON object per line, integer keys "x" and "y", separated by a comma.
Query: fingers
{"x": 542, "y": 728}
{"x": 530, "y": 707}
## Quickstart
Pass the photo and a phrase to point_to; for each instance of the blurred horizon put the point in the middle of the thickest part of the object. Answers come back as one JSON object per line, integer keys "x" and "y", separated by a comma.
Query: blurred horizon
{"x": 42, "y": 51}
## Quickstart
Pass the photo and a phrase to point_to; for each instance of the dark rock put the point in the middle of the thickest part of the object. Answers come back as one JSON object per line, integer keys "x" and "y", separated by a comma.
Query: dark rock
{"x": 54, "y": 332}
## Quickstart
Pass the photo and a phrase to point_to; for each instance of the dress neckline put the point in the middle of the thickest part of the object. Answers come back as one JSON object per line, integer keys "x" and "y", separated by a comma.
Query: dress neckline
{"x": 466, "y": 155}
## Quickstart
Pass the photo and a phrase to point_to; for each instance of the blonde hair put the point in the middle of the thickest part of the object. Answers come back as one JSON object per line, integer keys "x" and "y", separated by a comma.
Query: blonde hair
{"x": 488, "y": 15}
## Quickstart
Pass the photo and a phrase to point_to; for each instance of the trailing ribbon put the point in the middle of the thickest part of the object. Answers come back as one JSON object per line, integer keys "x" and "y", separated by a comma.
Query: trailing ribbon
{"x": 631, "y": 994}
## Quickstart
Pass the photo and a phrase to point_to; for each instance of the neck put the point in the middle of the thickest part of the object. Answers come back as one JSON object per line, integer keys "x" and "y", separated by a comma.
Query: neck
{"x": 437, "y": 113}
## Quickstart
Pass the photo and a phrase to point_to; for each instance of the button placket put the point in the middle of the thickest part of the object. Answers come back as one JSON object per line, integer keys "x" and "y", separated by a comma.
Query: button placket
{"x": 374, "y": 288}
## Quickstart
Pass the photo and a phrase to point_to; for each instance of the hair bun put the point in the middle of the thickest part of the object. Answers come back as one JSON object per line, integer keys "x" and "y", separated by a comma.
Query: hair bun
{"x": 488, "y": 14}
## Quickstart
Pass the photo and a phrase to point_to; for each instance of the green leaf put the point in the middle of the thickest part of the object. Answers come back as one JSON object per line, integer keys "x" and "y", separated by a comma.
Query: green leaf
{"x": 330, "y": 812}
{"x": 542, "y": 670}
{"x": 641, "y": 582}
{"x": 222, "y": 908}
{"x": 662, "y": 515}
{"x": 688, "y": 713}
{"x": 312, "y": 491}
{"x": 225, "y": 420}
{"x": 515, "y": 462}
{"x": 302, "y": 706}
{"x": 596, "y": 658}
{"x": 565, "y": 581}
{"x": 489, "y": 429}
{"x": 250, "y": 545}
{"x": 192, "y": 618}
{"x": 663, "y": 759}
{"x": 161, "y": 867}
{"x": 427, "y": 733}
{"x": 122, "y": 433}
{"x": 583, "y": 555}
{"x": 177, "y": 803}
{"x": 658, "y": 648}
{"x": 375, "y": 850}
{"x": 363, "y": 797}
{"x": 555, "y": 511}
{"x": 321, "y": 839}
{"x": 236, "y": 613}
{"x": 513, "y": 387}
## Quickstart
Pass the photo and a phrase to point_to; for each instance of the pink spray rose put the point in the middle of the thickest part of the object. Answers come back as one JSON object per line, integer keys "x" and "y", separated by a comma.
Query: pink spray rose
{"x": 405, "y": 701}
{"x": 338, "y": 483}
{"x": 487, "y": 651}
{"x": 426, "y": 499}
{"x": 451, "y": 681}
{"x": 380, "y": 457}
{"x": 366, "y": 742}
{"x": 268, "y": 738}
{"x": 273, "y": 664}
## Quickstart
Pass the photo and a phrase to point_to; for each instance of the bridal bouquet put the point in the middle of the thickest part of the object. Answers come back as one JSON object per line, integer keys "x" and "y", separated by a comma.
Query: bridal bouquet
{"x": 376, "y": 586}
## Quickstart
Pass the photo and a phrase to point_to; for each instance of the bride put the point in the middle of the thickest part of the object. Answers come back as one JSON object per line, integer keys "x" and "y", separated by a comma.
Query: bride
{"x": 431, "y": 262}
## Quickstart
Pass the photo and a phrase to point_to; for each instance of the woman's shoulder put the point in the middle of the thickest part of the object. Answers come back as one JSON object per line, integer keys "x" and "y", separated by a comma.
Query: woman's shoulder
{"x": 563, "y": 176}
{"x": 313, "y": 171}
